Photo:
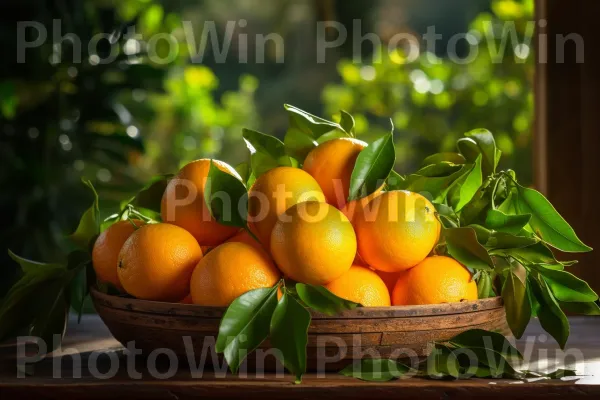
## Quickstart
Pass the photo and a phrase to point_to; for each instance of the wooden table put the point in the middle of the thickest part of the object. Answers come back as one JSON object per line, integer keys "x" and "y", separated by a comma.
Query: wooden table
{"x": 91, "y": 335}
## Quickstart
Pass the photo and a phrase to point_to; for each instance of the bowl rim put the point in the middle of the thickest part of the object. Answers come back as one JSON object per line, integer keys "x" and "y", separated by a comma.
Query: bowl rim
{"x": 134, "y": 305}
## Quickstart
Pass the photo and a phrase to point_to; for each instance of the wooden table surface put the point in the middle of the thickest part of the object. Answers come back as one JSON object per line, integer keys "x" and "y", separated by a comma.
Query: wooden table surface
{"x": 91, "y": 336}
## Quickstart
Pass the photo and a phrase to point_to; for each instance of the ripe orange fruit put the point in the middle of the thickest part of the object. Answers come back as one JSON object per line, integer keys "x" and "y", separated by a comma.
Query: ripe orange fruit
{"x": 229, "y": 271}
{"x": 157, "y": 261}
{"x": 274, "y": 192}
{"x": 435, "y": 280}
{"x": 396, "y": 230}
{"x": 389, "y": 278}
{"x": 331, "y": 164}
{"x": 361, "y": 285}
{"x": 105, "y": 254}
{"x": 313, "y": 243}
{"x": 244, "y": 237}
{"x": 183, "y": 203}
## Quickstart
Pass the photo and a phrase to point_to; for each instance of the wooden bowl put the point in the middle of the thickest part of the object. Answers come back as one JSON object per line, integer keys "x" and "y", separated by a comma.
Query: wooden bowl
{"x": 332, "y": 341}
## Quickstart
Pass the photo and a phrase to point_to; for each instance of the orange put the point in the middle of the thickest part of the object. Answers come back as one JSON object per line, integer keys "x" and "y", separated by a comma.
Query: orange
{"x": 361, "y": 285}
{"x": 389, "y": 278}
{"x": 157, "y": 261}
{"x": 229, "y": 271}
{"x": 435, "y": 280}
{"x": 183, "y": 203}
{"x": 244, "y": 237}
{"x": 105, "y": 254}
{"x": 331, "y": 164}
{"x": 355, "y": 207}
{"x": 396, "y": 230}
{"x": 274, "y": 192}
{"x": 313, "y": 243}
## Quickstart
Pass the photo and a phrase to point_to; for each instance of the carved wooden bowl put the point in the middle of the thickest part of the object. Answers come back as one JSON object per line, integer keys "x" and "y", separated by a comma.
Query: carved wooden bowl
{"x": 398, "y": 331}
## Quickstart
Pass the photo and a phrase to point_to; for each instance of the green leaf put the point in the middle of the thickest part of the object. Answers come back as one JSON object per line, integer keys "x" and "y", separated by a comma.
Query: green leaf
{"x": 51, "y": 312}
{"x": 289, "y": 334}
{"x": 471, "y": 185}
{"x": 322, "y": 300}
{"x": 581, "y": 308}
{"x": 454, "y": 158}
{"x": 486, "y": 145}
{"x": 30, "y": 266}
{"x": 304, "y": 130}
{"x": 462, "y": 245}
{"x": 484, "y": 286}
{"x": 150, "y": 196}
{"x": 266, "y": 152}
{"x": 442, "y": 363}
{"x": 551, "y": 317}
{"x": 567, "y": 287}
{"x": 534, "y": 254}
{"x": 78, "y": 291}
{"x": 516, "y": 303}
{"x": 89, "y": 225}
{"x": 246, "y": 325}
{"x": 482, "y": 339}
{"x": 347, "y": 122}
{"x": 502, "y": 240}
{"x": 244, "y": 170}
{"x": 438, "y": 187}
{"x": 438, "y": 170}
{"x": 373, "y": 165}
{"x": 499, "y": 221}
{"x": 375, "y": 370}
{"x": 226, "y": 197}
{"x": 547, "y": 222}
{"x": 394, "y": 181}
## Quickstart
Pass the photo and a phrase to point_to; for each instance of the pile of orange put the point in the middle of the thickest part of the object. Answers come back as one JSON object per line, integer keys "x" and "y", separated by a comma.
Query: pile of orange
{"x": 377, "y": 251}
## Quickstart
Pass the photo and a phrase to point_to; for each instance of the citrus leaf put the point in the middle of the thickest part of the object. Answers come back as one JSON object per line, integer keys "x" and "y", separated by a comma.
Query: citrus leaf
{"x": 499, "y": 221}
{"x": 266, "y": 152}
{"x": 438, "y": 170}
{"x": 442, "y": 363}
{"x": 226, "y": 197}
{"x": 373, "y": 165}
{"x": 347, "y": 122}
{"x": 245, "y": 325}
{"x": 487, "y": 148}
{"x": 322, "y": 300}
{"x": 450, "y": 157}
{"x": 516, "y": 303}
{"x": 566, "y": 287}
{"x": 547, "y": 222}
{"x": 30, "y": 266}
{"x": 534, "y": 254}
{"x": 51, "y": 313}
{"x": 394, "y": 181}
{"x": 581, "y": 308}
{"x": 375, "y": 370}
{"x": 551, "y": 317}
{"x": 503, "y": 240}
{"x": 89, "y": 224}
{"x": 308, "y": 123}
{"x": 482, "y": 339}
{"x": 484, "y": 286}
{"x": 438, "y": 187}
{"x": 462, "y": 245}
{"x": 471, "y": 185}
{"x": 289, "y": 334}
{"x": 150, "y": 196}
{"x": 298, "y": 144}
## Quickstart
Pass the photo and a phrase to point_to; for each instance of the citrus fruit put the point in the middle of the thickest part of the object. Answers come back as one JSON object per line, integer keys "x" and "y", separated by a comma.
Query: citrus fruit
{"x": 157, "y": 261}
{"x": 313, "y": 243}
{"x": 105, "y": 254}
{"x": 435, "y": 280}
{"x": 273, "y": 193}
{"x": 229, "y": 271}
{"x": 183, "y": 203}
{"x": 396, "y": 230}
{"x": 331, "y": 164}
{"x": 361, "y": 285}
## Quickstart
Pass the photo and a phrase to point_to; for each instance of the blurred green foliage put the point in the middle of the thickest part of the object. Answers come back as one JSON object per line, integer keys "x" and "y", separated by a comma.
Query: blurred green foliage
{"x": 433, "y": 101}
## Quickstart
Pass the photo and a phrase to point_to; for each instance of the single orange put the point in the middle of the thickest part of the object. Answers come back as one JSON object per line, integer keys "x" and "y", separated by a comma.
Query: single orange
{"x": 105, "y": 254}
{"x": 183, "y": 203}
{"x": 229, "y": 271}
{"x": 157, "y": 261}
{"x": 313, "y": 243}
{"x": 331, "y": 164}
{"x": 396, "y": 230}
{"x": 436, "y": 280}
{"x": 274, "y": 192}
{"x": 361, "y": 285}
